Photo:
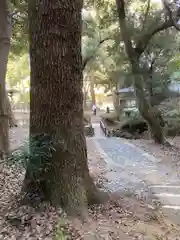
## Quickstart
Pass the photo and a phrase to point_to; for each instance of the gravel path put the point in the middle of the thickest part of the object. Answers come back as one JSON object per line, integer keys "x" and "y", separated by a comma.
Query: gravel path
{"x": 137, "y": 171}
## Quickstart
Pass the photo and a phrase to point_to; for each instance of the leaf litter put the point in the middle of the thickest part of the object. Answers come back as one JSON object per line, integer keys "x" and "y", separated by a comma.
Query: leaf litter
{"x": 121, "y": 217}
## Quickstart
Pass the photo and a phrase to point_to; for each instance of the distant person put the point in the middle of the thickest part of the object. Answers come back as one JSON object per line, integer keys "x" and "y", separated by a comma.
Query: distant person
{"x": 94, "y": 109}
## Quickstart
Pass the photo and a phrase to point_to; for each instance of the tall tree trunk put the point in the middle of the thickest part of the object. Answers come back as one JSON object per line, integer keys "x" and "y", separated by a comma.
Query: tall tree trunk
{"x": 5, "y": 35}
{"x": 92, "y": 92}
{"x": 85, "y": 93}
{"x": 56, "y": 104}
{"x": 85, "y": 99}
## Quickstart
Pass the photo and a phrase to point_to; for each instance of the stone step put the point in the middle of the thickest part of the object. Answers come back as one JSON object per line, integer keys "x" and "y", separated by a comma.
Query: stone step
{"x": 165, "y": 189}
{"x": 172, "y": 213}
{"x": 168, "y": 198}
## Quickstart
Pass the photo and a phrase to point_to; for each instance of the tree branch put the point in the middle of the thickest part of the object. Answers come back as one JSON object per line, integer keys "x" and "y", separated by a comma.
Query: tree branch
{"x": 124, "y": 29}
{"x": 85, "y": 61}
{"x": 145, "y": 39}
{"x": 146, "y": 14}
{"x": 169, "y": 12}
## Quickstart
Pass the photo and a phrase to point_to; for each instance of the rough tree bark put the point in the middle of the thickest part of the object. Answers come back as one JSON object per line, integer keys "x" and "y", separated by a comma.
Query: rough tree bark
{"x": 134, "y": 54}
{"x": 5, "y": 35}
{"x": 56, "y": 104}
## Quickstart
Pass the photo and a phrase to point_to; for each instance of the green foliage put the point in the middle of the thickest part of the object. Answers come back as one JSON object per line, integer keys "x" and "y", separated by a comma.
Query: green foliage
{"x": 174, "y": 63}
{"x": 60, "y": 235}
{"x": 18, "y": 63}
{"x": 17, "y": 70}
{"x": 135, "y": 115}
{"x": 107, "y": 60}
{"x": 17, "y": 77}
{"x": 18, "y": 9}
{"x": 159, "y": 53}
{"x": 36, "y": 154}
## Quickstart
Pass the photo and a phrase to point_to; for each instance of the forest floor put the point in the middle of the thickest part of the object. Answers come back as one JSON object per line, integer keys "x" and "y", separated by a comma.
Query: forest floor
{"x": 123, "y": 217}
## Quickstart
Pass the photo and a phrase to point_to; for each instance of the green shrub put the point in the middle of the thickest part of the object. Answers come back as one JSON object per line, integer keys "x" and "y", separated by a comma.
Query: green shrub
{"x": 60, "y": 235}
{"x": 172, "y": 122}
{"x": 38, "y": 158}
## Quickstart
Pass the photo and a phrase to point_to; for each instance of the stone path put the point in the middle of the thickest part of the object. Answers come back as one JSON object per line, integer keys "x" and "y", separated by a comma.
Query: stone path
{"x": 136, "y": 171}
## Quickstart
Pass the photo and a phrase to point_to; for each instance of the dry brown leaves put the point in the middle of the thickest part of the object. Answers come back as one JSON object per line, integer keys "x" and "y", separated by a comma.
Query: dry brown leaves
{"x": 120, "y": 218}
{"x": 22, "y": 222}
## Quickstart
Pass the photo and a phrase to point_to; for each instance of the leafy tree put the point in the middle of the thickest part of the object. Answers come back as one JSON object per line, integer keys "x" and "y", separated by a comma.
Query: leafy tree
{"x": 57, "y": 168}
{"x": 19, "y": 15}
{"x": 155, "y": 61}
{"x": 93, "y": 44}
{"x": 136, "y": 46}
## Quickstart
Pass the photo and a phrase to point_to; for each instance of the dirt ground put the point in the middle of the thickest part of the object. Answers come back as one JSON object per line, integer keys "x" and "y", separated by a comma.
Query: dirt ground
{"x": 123, "y": 217}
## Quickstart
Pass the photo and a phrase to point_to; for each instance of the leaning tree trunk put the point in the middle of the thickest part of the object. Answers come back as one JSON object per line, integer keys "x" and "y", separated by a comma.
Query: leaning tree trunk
{"x": 134, "y": 54}
{"x": 149, "y": 113}
{"x": 5, "y": 35}
{"x": 56, "y": 107}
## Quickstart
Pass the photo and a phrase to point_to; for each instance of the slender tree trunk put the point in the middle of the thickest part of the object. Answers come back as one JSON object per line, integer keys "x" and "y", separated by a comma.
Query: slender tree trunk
{"x": 5, "y": 35}
{"x": 93, "y": 96}
{"x": 85, "y": 100}
{"x": 56, "y": 104}
{"x": 115, "y": 99}
{"x": 86, "y": 88}
{"x": 91, "y": 85}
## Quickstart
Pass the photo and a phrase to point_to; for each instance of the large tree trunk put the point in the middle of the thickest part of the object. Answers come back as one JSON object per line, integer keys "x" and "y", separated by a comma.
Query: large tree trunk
{"x": 5, "y": 35}
{"x": 56, "y": 106}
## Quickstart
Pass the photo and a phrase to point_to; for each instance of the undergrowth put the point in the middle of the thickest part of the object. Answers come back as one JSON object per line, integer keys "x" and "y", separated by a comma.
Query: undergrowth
{"x": 60, "y": 235}
{"x": 34, "y": 153}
